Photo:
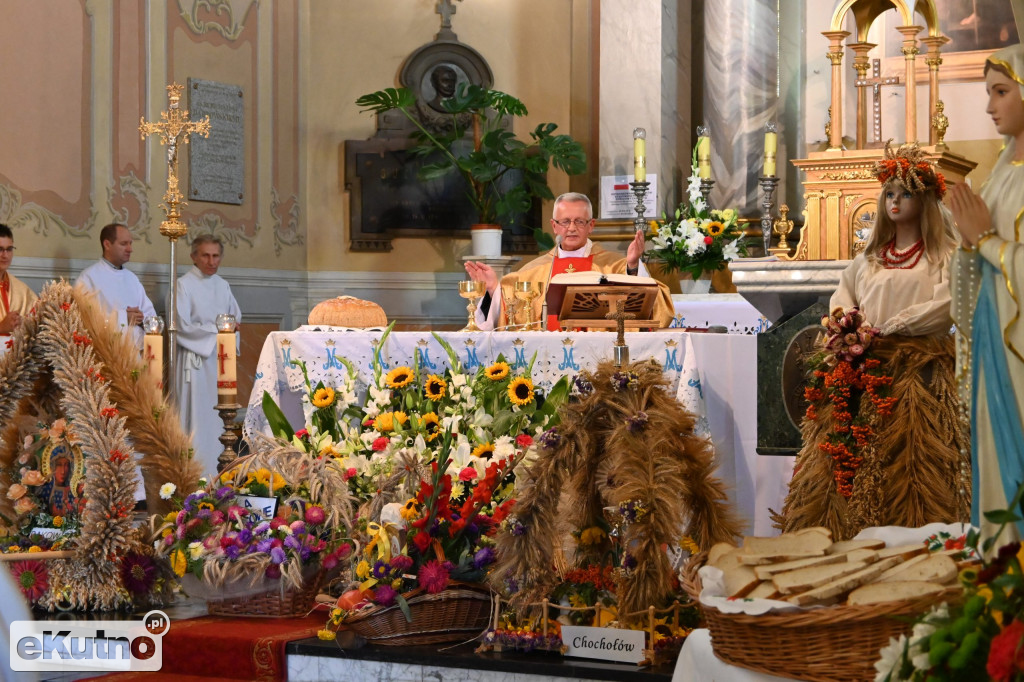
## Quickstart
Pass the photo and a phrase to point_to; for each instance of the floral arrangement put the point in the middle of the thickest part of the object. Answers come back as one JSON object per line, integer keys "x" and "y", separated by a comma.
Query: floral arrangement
{"x": 697, "y": 240}
{"x": 275, "y": 515}
{"x": 843, "y": 376}
{"x": 439, "y": 451}
{"x": 47, "y": 493}
{"x": 983, "y": 631}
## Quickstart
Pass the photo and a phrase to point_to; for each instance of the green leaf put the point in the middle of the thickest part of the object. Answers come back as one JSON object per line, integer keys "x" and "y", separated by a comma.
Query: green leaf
{"x": 544, "y": 240}
{"x": 278, "y": 423}
{"x": 404, "y": 605}
{"x": 1001, "y": 516}
{"x": 384, "y": 100}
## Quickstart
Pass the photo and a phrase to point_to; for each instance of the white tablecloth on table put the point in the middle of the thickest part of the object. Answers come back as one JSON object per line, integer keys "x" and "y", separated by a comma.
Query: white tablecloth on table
{"x": 732, "y": 311}
{"x": 712, "y": 374}
{"x": 697, "y": 663}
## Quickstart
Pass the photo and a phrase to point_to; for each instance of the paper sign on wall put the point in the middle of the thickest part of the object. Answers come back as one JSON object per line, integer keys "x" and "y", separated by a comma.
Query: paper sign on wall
{"x": 606, "y": 644}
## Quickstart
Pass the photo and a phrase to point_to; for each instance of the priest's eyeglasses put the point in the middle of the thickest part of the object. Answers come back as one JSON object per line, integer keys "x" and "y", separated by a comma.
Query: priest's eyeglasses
{"x": 578, "y": 222}
{"x": 6, "y": 249}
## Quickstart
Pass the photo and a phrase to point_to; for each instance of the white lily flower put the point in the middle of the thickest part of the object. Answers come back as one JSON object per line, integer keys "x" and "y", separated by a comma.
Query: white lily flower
{"x": 731, "y": 250}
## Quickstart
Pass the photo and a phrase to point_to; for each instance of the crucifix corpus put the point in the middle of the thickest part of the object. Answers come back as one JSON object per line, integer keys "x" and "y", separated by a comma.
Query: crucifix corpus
{"x": 620, "y": 349}
{"x": 875, "y": 83}
{"x": 173, "y": 128}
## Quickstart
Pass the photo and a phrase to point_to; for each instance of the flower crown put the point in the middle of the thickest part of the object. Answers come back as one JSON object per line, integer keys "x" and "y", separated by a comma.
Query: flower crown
{"x": 908, "y": 166}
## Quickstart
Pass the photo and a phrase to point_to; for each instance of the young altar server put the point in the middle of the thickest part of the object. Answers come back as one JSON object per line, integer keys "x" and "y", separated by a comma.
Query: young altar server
{"x": 117, "y": 288}
{"x": 202, "y": 295}
{"x": 893, "y": 453}
{"x": 572, "y": 221}
{"x": 988, "y": 277}
{"x": 16, "y": 299}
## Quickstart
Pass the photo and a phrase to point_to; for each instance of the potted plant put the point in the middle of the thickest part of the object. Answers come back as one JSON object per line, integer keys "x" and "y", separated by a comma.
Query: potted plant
{"x": 696, "y": 240}
{"x": 495, "y": 152}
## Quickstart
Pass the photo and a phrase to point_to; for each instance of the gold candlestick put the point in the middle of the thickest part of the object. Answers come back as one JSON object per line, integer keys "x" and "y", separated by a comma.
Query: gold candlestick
{"x": 527, "y": 291}
{"x": 474, "y": 291}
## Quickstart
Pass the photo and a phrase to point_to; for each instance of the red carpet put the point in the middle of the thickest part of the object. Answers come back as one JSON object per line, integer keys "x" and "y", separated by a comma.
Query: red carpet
{"x": 227, "y": 648}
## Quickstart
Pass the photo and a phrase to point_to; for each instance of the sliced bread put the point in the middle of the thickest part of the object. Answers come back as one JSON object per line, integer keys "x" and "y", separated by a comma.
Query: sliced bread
{"x": 739, "y": 580}
{"x": 766, "y": 571}
{"x": 877, "y": 593}
{"x": 765, "y": 590}
{"x": 842, "y": 585}
{"x": 785, "y": 547}
{"x": 803, "y": 579}
{"x": 844, "y": 546}
{"x": 904, "y": 551}
{"x": 937, "y": 568}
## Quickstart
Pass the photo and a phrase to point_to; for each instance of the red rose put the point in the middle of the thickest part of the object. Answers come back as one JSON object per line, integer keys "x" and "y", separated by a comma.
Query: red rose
{"x": 381, "y": 444}
{"x": 524, "y": 440}
{"x": 1006, "y": 656}
{"x": 302, "y": 433}
{"x": 709, "y": 240}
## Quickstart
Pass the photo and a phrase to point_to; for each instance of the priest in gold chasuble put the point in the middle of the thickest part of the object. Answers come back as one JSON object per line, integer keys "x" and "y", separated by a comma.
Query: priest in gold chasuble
{"x": 572, "y": 222}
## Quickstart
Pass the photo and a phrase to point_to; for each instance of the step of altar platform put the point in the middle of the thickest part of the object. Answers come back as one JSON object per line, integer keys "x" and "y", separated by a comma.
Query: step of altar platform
{"x": 310, "y": 660}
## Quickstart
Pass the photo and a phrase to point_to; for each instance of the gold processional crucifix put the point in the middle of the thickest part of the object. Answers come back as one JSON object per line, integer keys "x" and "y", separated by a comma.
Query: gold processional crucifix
{"x": 174, "y": 127}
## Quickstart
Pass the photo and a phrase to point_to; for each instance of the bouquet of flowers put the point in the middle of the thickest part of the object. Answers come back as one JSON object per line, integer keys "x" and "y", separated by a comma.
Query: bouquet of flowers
{"x": 454, "y": 440}
{"x": 697, "y": 240}
{"x": 276, "y": 515}
{"x": 46, "y": 493}
{"x": 983, "y": 631}
{"x": 844, "y": 376}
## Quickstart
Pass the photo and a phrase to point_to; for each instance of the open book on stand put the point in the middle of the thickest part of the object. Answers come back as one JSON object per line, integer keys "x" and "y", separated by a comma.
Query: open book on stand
{"x": 584, "y": 299}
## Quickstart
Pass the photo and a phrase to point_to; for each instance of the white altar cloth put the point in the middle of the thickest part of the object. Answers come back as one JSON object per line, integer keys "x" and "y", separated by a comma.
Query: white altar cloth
{"x": 732, "y": 311}
{"x": 712, "y": 374}
{"x": 697, "y": 663}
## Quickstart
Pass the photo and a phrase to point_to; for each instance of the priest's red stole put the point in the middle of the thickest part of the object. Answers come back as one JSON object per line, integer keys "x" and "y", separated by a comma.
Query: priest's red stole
{"x": 560, "y": 265}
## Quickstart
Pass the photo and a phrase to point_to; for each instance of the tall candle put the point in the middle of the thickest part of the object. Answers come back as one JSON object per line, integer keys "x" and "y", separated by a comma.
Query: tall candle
{"x": 227, "y": 377}
{"x": 704, "y": 156}
{"x": 639, "y": 155}
{"x": 153, "y": 355}
{"x": 771, "y": 143}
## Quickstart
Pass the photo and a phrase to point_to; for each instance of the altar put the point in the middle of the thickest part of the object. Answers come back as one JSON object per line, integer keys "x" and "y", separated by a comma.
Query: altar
{"x": 714, "y": 375}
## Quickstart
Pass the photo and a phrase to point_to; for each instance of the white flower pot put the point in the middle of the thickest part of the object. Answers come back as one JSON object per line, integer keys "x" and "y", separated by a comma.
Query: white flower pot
{"x": 689, "y": 285}
{"x": 486, "y": 240}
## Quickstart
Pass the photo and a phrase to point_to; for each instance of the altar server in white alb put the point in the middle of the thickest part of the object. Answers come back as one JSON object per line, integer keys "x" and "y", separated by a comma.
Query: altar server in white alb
{"x": 202, "y": 296}
{"x": 118, "y": 288}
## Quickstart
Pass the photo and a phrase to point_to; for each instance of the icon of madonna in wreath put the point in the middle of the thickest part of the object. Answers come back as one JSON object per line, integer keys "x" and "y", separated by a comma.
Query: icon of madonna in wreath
{"x": 64, "y": 466}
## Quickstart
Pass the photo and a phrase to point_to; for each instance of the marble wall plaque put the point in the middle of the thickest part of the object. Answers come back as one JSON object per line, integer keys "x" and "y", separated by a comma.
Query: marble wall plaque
{"x": 216, "y": 163}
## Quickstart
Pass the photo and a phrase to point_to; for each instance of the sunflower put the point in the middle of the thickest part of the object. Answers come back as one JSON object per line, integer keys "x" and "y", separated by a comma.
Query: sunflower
{"x": 435, "y": 387}
{"x": 179, "y": 562}
{"x": 323, "y": 397}
{"x": 520, "y": 391}
{"x": 32, "y": 577}
{"x": 399, "y": 377}
{"x": 432, "y": 425}
{"x": 205, "y": 505}
{"x": 409, "y": 511}
{"x": 497, "y": 371}
{"x": 484, "y": 450}
{"x": 714, "y": 228}
{"x": 390, "y": 421}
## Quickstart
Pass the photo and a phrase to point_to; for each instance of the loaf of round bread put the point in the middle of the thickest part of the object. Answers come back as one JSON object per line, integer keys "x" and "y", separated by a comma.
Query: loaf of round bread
{"x": 348, "y": 311}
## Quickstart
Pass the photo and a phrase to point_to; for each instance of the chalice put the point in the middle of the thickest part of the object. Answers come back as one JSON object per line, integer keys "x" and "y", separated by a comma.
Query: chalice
{"x": 473, "y": 291}
{"x": 527, "y": 291}
{"x": 512, "y": 307}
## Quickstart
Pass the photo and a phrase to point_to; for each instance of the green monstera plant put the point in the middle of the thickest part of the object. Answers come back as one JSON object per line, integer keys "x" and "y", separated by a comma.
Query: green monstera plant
{"x": 495, "y": 152}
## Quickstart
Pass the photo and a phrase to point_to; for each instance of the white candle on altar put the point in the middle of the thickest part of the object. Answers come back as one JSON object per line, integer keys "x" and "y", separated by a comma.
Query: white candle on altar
{"x": 639, "y": 155}
{"x": 227, "y": 374}
{"x": 703, "y": 153}
{"x": 771, "y": 145}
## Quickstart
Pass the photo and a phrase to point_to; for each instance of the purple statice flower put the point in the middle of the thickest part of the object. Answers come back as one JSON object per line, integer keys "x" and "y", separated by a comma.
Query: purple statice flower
{"x": 380, "y": 569}
{"x": 223, "y": 493}
{"x": 191, "y": 500}
{"x": 204, "y": 514}
{"x": 581, "y": 385}
{"x": 245, "y": 536}
{"x": 483, "y": 557}
{"x": 401, "y": 563}
{"x": 623, "y": 380}
{"x": 384, "y": 595}
{"x": 232, "y": 551}
{"x": 628, "y": 510}
{"x": 277, "y": 556}
{"x": 292, "y": 542}
{"x": 550, "y": 439}
{"x": 637, "y": 422}
{"x": 261, "y": 527}
{"x": 517, "y": 528}
{"x": 305, "y": 553}
{"x": 264, "y": 545}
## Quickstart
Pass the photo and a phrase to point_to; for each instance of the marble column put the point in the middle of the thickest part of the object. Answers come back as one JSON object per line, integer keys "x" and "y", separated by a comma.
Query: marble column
{"x": 741, "y": 57}
{"x": 645, "y": 65}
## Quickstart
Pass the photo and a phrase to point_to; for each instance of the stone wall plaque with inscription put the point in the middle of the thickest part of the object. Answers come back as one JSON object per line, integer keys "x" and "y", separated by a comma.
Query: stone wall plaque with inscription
{"x": 216, "y": 164}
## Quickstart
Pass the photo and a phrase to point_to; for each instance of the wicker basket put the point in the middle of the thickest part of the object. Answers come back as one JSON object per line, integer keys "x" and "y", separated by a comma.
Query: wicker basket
{"x": 459, "y": 612}
{"x": 832, "y": 644}
{"x": 276, "y": 600}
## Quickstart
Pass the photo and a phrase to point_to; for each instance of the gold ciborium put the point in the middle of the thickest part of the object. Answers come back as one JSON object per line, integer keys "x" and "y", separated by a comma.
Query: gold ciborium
{"x": 474, "y": 291}
{"x": 527, "y": 291}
